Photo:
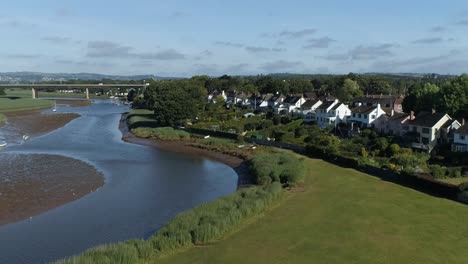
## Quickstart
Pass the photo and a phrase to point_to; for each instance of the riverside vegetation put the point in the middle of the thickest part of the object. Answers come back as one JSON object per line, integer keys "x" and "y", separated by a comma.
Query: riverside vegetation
{"x": 208, "y": 222}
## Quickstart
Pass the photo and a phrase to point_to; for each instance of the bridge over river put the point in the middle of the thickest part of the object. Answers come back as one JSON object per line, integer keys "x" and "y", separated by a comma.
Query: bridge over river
{"x": 42, "y": 86}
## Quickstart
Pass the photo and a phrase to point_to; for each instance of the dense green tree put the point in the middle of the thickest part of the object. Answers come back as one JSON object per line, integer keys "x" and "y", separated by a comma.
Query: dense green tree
{"x": 2, "y": 91}
{"x": 349, "y": 90}
{"x": 454, "y": 96}
{"x": 176, "y": 101}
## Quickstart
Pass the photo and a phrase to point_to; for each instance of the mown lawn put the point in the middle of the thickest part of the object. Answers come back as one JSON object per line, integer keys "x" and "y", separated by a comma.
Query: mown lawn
{"x": 8, "y": 104}
{"x": 141, "y": 118}
{"x": 344, "y": 216}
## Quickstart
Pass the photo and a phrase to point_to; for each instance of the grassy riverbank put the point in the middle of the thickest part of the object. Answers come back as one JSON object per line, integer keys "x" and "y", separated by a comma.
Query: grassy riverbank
{"x": 10, "y": 104}
{"x": 345, "y": 216}
{"x": 336, "y": 215}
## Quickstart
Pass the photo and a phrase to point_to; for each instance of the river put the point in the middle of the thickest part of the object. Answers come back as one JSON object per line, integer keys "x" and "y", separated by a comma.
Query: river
{"x": 144, "y": 188}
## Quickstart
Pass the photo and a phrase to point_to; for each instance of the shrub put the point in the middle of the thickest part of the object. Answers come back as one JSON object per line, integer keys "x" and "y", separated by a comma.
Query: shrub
{"x": 277, "y": 167}
{"x": 393, "y": 149}
{"x": 164, "y": 133}
{"x": 455, "y": 172}
{"x": 438, "y": 172}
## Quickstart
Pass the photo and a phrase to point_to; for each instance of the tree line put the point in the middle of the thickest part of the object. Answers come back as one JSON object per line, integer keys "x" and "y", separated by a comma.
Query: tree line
{"x": 176, "y": 101}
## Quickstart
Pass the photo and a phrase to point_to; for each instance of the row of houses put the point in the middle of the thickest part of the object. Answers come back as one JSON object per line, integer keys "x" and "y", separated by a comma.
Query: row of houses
{"x": 381, "y": 112}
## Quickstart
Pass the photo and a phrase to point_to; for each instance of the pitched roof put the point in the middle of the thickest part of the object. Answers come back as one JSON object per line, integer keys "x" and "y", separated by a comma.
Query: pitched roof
{"x": 326, "y": 105}
{"x": 373, "y": 100}
{"x": 309, "y": 103}
{"x": 292, "y": 99}
{"x": 398, "y": 117}
{"x": 426, "y": 119}
{"x": 336, "y": 106}
{"x": 363, "y": 109}
{"x": 276, "y": 98}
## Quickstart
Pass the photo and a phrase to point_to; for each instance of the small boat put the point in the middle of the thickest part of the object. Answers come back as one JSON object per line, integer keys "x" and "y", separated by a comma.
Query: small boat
{"x": 3, "y": 144}
{"x": 55, "y": 107}
{"x": 25, "y": 137}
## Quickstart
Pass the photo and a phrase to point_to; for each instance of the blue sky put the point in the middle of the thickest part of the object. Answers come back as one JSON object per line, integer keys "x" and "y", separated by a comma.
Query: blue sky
{"x": 184, "y": 38}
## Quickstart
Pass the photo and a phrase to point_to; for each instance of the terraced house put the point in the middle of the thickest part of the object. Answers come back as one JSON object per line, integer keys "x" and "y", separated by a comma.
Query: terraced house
{"x": 428, "y": 129}
{"x": 332, "y": 113}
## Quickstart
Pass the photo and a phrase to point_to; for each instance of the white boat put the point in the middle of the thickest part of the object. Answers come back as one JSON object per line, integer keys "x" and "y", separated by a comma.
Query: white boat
{"x": 3, "y": 144}
{"x": 55, "y": 107}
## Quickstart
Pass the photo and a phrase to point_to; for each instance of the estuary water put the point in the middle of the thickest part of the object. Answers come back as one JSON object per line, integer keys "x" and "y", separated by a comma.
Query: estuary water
{"x": 144, "y": 188}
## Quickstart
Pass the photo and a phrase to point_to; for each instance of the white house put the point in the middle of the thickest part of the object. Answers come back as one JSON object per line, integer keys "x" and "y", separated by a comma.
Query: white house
{"x": 262, "y": 102}
{"x": 276, "y": 100}
{"x": 427, "y": 129}
{"x": 290, "y": 104}
{"x": 460, "y": 139}
{"x": 365, "y": 116}
{"x": 308, "y": 108}
{"x": 332, "y": 113}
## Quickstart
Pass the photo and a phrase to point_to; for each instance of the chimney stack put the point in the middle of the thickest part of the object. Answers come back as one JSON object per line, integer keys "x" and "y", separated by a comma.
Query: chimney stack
{"x": 433, "y": 111}
{"x": 393, "y": 112}
{"x": 412, "y": 115}
{"x": 463, "y": 121}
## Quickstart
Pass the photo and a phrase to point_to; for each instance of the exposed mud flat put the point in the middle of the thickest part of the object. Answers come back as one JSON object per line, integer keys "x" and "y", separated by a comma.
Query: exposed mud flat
{"x": 33, "y": 123}
{"x": 34, "y": 183}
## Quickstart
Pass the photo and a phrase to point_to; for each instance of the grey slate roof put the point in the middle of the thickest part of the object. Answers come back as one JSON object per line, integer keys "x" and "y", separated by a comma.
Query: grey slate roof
{"x": 363, "y": 109}
{"x": 426, "y": 119}
{"x": 326, "y": 105}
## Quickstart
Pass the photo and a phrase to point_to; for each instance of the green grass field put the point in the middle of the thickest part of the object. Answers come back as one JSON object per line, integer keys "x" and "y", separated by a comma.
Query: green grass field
{"x": 8, "y": 104}
{"x": 141, "y": 118}
{"x": 344, "y": 216}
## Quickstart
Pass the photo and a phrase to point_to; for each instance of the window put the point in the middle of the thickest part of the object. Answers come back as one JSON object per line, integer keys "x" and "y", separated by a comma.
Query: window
{"x": 426, "y": 130}
{"x": 354, "y": 115}
{"x": 462, "y": 137}
{"x": 359, "y": 115}
{"x": 373, "y": 116}
{"x": 415, "y": 129}
{"x": 365, "y": 116}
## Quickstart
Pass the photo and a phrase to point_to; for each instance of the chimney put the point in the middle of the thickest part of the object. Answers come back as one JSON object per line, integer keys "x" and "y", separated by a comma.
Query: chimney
{"x": 412, "y": 115}
{"x": 433, "y": 111}
{"x": 463, "y": 121}
{"x": 393, "y": 112}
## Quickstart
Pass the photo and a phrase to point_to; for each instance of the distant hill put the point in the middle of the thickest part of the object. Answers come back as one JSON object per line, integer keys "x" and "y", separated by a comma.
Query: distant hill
{"x": 22, "y": 77}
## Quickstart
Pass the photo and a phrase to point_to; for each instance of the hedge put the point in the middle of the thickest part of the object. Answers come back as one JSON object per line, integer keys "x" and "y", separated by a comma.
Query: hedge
{"x": 203, "y": 224}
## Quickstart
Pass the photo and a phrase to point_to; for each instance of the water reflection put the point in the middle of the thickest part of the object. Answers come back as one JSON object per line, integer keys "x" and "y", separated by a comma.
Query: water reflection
{"x": 144, "y": 188}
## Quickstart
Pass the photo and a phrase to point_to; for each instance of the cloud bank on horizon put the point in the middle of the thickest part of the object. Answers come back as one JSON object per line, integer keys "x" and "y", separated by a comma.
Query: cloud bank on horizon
{"x": 184, "y": 38}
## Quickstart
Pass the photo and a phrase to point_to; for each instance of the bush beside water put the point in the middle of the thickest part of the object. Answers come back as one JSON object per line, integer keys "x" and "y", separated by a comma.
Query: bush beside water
{"x": 277, "y": 167}
{"x": 164, "y": 133}
{"x": 203, "y": 224}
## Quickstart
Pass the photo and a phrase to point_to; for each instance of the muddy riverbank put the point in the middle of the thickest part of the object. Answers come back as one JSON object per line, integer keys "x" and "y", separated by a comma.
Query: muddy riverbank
{"x": 34, "y": 123}
{"x": 239, "y": 165}
{"x": 34, "y": 183}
